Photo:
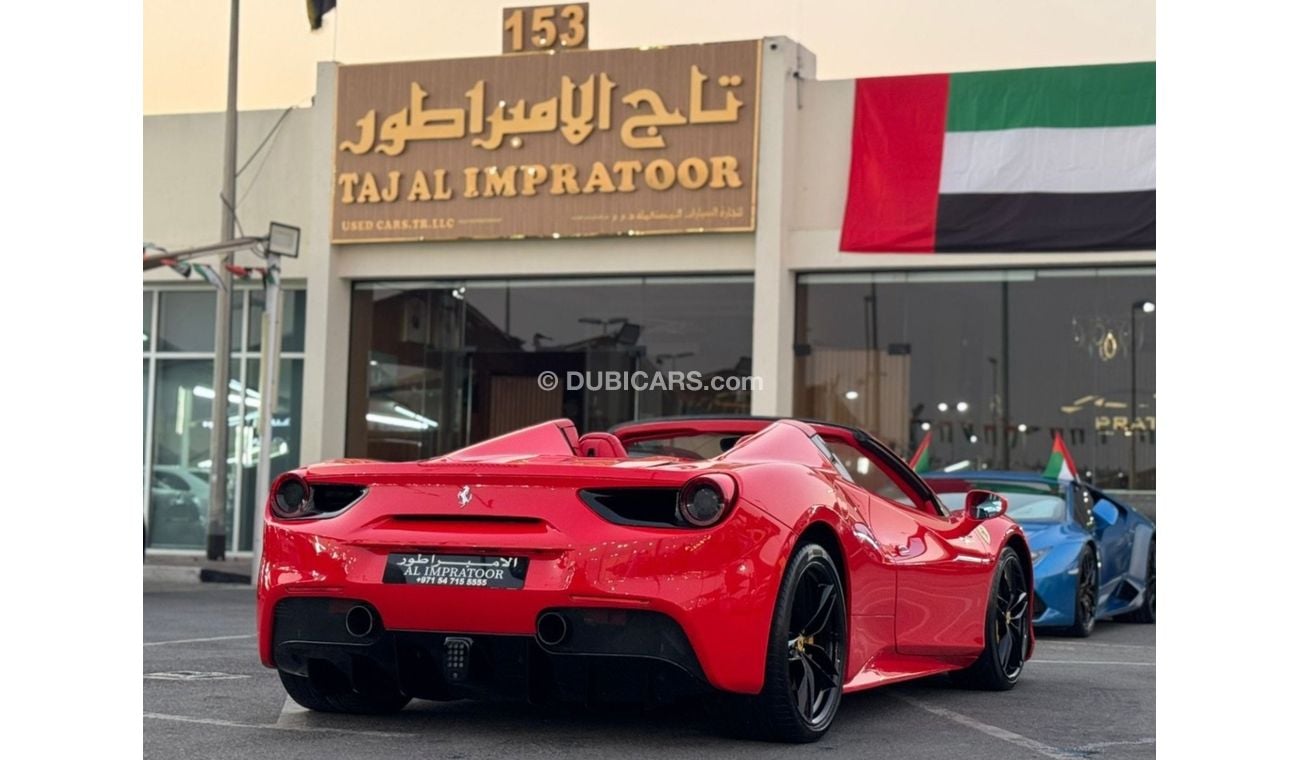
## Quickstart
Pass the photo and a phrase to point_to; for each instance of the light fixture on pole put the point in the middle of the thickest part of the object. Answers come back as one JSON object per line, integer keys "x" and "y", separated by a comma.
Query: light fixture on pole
{"x": 283, "y": 240}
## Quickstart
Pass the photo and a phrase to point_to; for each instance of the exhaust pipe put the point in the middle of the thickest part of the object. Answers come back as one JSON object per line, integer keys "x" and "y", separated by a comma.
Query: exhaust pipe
{"x": 552, "y": 629}
{"x": 360, "y": 621}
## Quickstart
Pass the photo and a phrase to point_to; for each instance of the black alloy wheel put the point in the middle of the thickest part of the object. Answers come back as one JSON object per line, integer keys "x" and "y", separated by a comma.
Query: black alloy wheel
{"x": 803, "y": 678}
{"x": 815, "y": 644}
{"x": 1085, "y": 595}
{"x": 1006, "y": 639}
{"x": 1012, "y": 620}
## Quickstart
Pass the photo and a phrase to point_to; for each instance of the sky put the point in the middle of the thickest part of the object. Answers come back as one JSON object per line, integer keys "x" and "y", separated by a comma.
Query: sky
{"x": 185, "y": 41}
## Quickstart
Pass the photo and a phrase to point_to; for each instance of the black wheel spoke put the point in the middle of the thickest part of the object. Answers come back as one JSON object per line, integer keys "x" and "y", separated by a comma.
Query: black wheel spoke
{"x": 1004, "y": 648}
{"x": 1019, "y": 606}
{"x": 804, "y": 691}
{"x": 817, "y": 623}
{"x": 823, "y": 666}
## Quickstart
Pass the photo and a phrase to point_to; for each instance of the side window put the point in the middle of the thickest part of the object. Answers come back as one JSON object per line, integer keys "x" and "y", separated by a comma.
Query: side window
{"x": 872, "y": 476}
{"x": 834, "y": 458}
{"x": 1083, "y": 507}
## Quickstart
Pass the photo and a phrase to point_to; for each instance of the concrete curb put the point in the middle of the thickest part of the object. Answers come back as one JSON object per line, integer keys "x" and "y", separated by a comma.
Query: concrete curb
{"x": 195, "y": 575}
{"x": 170, "y": 574}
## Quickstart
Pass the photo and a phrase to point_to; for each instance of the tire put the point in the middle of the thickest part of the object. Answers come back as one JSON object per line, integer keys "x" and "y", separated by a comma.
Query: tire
{"x": 1086, "y": 593}
{"x": 803, "y": 678}
{"x": 1006, "y": 630}
{"x": 1147, "y": 612}
{"x": 301, "y": 690}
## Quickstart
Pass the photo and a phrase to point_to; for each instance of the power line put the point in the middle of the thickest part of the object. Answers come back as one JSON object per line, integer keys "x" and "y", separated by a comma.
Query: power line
{"x": 261, "y": 145}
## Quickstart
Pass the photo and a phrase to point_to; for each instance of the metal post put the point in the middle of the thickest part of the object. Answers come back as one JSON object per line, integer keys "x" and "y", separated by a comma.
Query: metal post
{"x": 1133, "y": 398}
{"x": 268, "y": 386}
{"x": 1004, "y": 400}
{"x": 221, "y": 339}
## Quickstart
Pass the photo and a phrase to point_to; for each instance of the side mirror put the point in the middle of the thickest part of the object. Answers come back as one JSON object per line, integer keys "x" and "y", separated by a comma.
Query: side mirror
{"x": 983, "y": 505}
{"x": 1106, "y": 513}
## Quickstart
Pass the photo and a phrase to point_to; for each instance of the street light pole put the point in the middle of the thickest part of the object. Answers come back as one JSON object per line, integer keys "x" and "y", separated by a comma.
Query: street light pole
{"x": 221, "y": 335}
{"x": 268, "y": 385}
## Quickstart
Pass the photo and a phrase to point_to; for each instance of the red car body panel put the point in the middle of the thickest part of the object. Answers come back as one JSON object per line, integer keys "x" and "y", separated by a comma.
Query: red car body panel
{"x": 917, "y": 585}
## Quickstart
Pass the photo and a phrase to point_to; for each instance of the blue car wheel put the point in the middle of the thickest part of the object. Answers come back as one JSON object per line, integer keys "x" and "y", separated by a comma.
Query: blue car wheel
{"x": 1085, "y": 597}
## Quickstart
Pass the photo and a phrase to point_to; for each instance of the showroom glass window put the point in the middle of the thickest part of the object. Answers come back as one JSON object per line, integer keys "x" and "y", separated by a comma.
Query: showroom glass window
{"x": 990, "y": 362}
{"x": 178, "y": 363}
{"x": 437, "y": 365}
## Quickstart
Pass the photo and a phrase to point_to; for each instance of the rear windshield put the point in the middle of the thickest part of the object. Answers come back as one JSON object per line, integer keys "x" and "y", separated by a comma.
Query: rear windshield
{"x": 700, "y": 446}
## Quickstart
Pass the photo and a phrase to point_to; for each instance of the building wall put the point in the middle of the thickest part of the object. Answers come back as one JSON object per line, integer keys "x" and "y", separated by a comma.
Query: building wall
{"x": 183, "y": 156}
{"x": 804, "y": 147}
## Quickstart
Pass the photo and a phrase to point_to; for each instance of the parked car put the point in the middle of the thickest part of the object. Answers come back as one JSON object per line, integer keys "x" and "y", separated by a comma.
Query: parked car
{"x": 775, "y": 564}
{"x": 178, "y": 507}
{"x": 1094, "y": 557}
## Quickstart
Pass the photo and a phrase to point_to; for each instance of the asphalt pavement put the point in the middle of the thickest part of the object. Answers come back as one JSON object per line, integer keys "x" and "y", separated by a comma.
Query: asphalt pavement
{"x": 207, "y": 695}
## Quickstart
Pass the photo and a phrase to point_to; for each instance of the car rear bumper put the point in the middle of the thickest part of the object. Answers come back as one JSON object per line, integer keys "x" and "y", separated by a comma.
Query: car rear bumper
{"x": 699, "y": 602}
{"x": 634, "y": 649}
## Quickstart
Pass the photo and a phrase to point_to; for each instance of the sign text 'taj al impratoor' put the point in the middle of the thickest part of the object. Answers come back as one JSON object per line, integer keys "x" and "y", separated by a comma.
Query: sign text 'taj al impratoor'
{"x": 606, "y": 142}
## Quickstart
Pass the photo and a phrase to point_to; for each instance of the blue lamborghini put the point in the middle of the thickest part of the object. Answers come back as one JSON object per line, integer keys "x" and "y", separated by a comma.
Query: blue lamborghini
{"x": 1093, "y": 557}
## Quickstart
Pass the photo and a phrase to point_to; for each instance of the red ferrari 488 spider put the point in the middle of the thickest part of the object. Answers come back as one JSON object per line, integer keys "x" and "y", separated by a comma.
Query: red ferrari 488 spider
{"x": 774, "y": 564}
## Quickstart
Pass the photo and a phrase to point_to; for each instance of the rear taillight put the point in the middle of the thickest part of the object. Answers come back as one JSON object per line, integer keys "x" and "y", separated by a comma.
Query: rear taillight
{"x": 293, "y": 498}
{"x": 705, "y": 500}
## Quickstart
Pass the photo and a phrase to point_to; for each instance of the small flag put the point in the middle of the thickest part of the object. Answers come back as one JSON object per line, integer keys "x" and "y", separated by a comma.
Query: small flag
{"x": 208, "y": 273}
{"x": 1060, "y": 464}
{"x": 316, "y": 10}
{"x": 921, "y": 459}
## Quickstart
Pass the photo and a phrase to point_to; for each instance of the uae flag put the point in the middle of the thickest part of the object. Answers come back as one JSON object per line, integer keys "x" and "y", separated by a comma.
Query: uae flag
{"x": 1060, "y": 465}
{"x": 316, "y": 10}
{"x": 921, "y": 459}
{"x": 1049, "y": 159}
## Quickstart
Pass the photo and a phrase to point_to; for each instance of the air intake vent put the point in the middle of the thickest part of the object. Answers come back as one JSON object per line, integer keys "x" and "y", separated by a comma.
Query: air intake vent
{"x": 644, "y": 507}
{"x": 329, "y": 497}
{"x": 1127, "y": 592}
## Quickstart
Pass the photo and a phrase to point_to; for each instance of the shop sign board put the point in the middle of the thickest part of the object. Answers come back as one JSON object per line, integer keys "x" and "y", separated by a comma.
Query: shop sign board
{"x": 580, "y": 143}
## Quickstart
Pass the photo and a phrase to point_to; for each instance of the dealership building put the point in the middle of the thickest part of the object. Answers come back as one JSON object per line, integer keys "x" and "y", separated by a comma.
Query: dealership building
{"x": 711, "y": 223}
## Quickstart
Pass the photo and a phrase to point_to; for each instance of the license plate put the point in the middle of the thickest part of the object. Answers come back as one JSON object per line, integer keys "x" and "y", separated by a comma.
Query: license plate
{"x": 467, "y": 570}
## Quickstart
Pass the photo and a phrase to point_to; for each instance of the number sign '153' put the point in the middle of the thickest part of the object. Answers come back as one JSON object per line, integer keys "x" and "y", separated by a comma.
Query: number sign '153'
{"x": 546, "y": 27}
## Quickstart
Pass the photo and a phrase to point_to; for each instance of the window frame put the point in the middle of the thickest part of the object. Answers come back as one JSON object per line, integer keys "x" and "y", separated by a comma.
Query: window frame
{"x": 240, "y": 356}
{"x": 924, "y": 500}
